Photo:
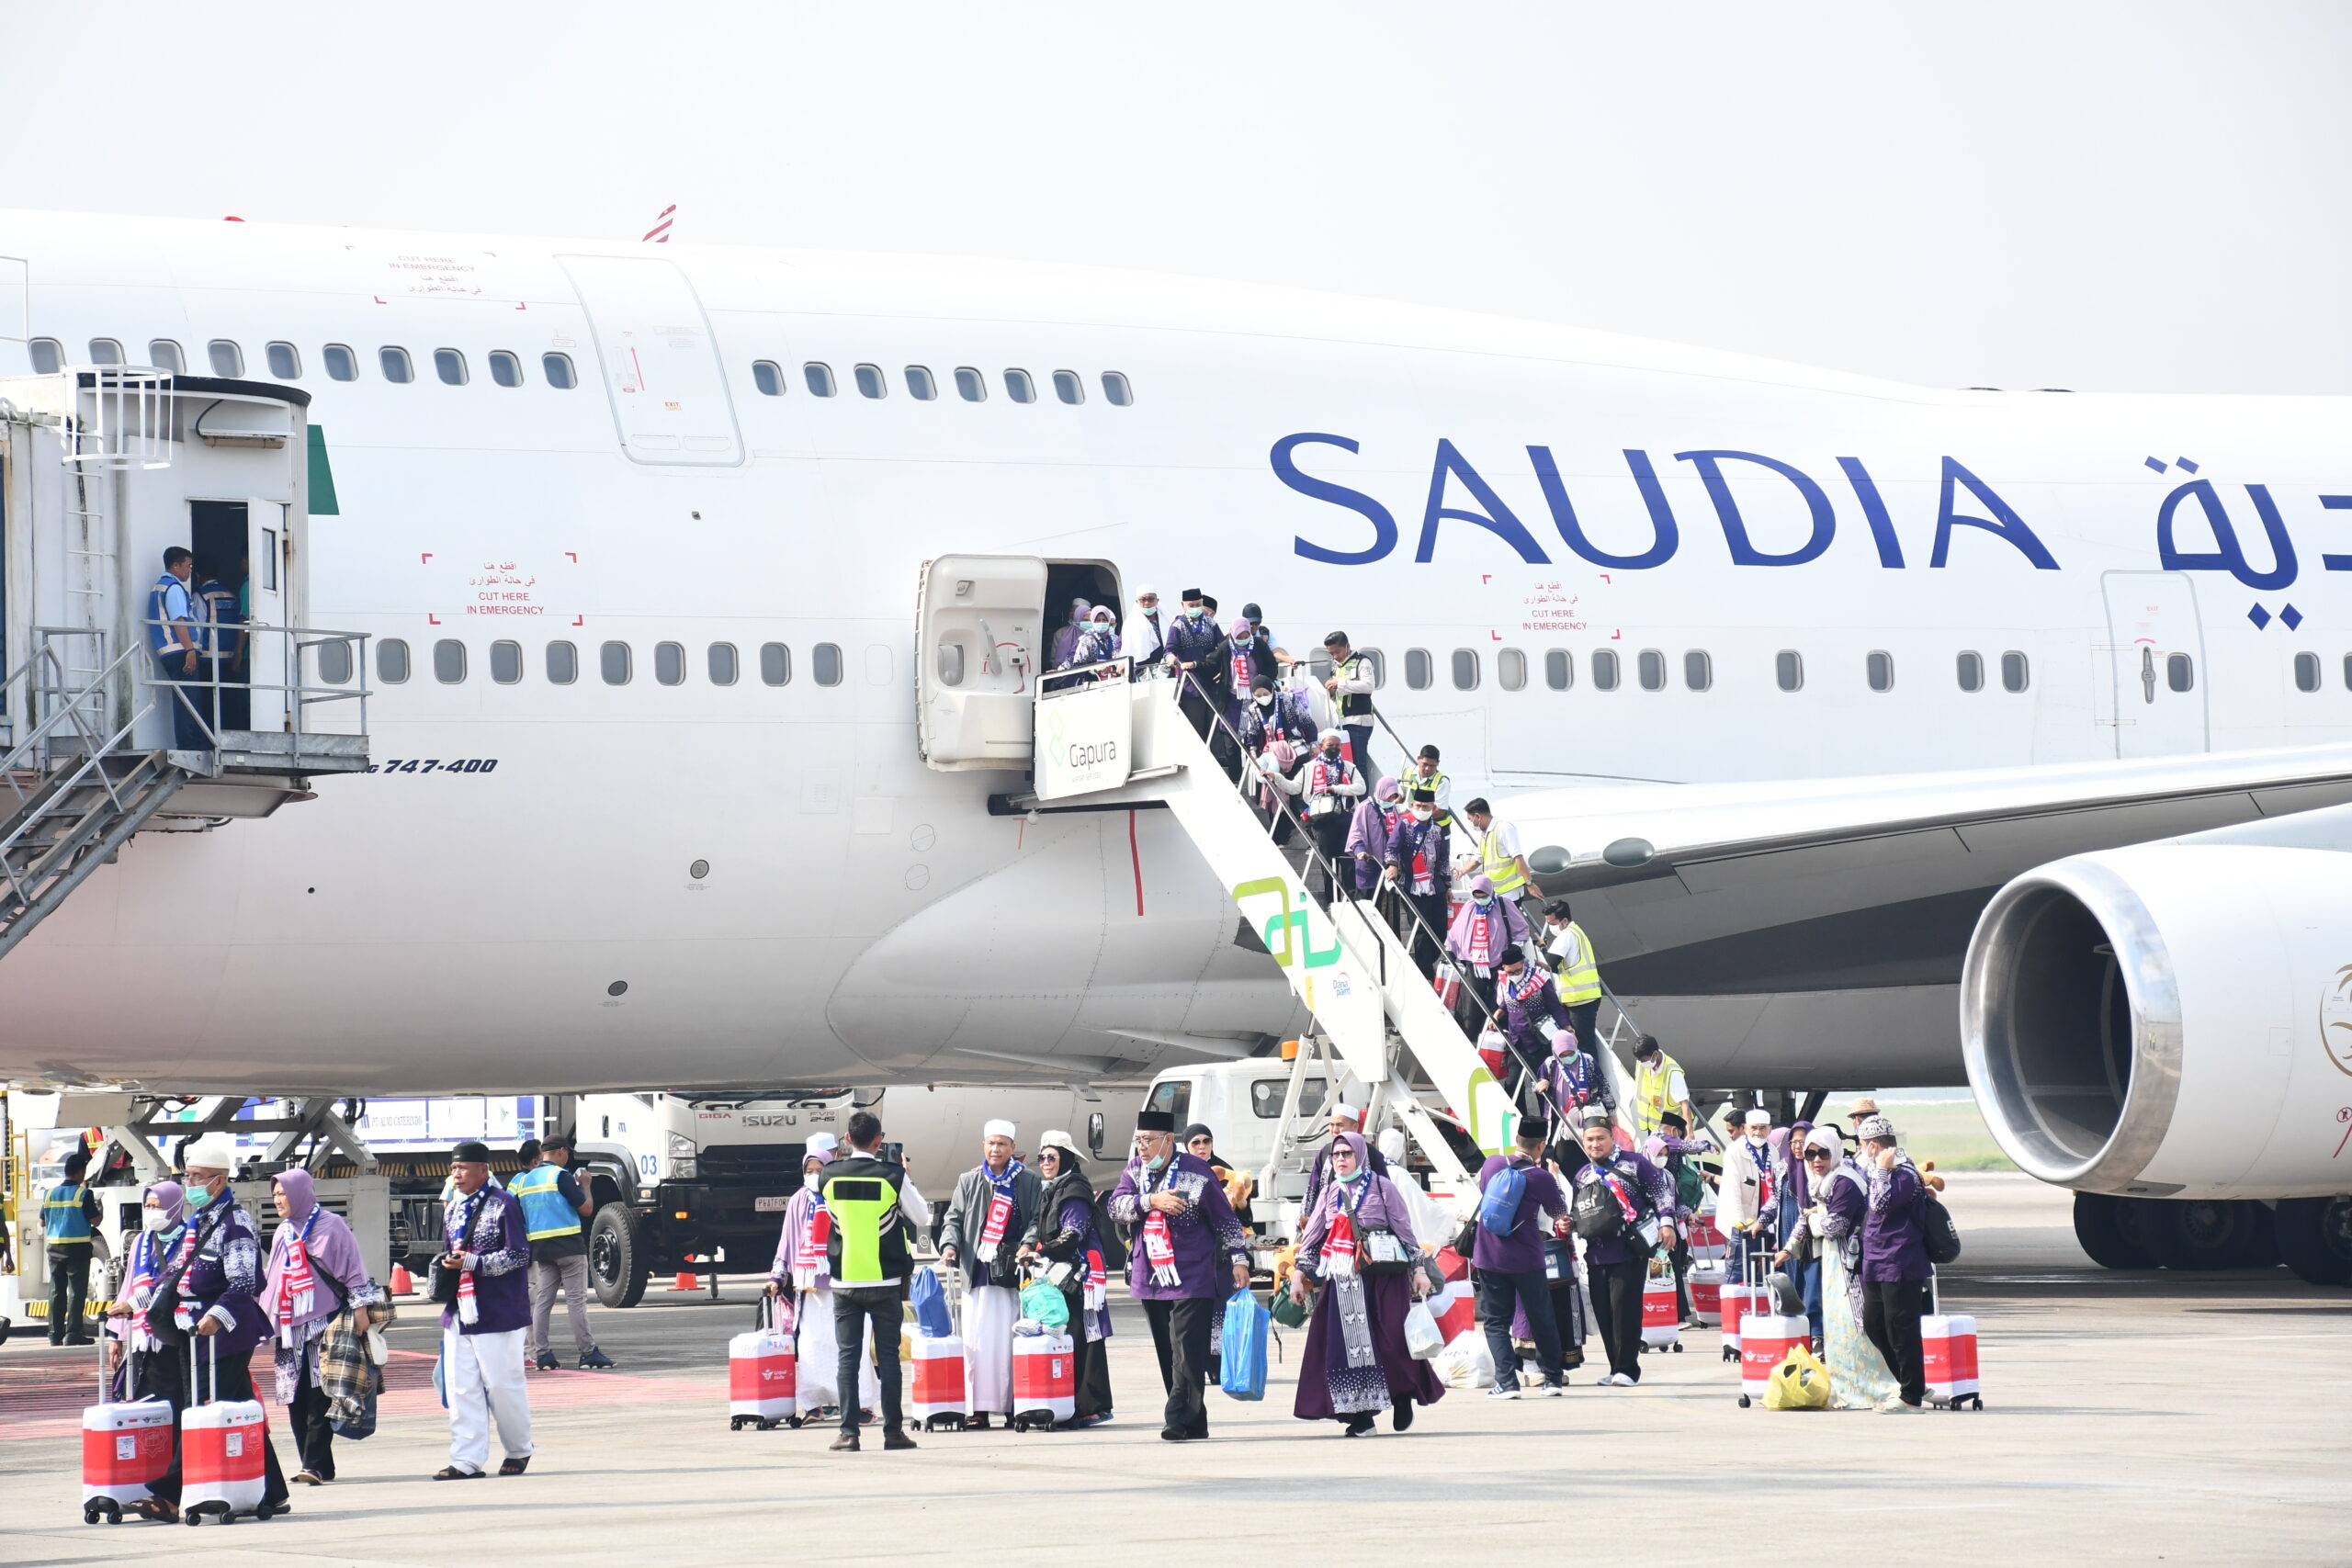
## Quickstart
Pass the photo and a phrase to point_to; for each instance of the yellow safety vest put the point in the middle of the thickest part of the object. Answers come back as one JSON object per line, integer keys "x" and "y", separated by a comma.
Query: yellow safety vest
{"x": 1502, "y": 870}
{"x": 1651, "y": 1088}
{"x": 1580, "y": 982}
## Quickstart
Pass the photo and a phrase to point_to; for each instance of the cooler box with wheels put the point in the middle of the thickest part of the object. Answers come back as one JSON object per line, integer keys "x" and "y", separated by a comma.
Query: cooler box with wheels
{"x": 222, "y": 1441}
{"x": 1735, "y": 1301}
{"x": 763, "y": 1378}
{"x": 1661, "y": 1312}
{"x": 935, "y": 1382}
{"x": 1708, "y": 1244}
{"x": 125, "y": 1445}
{"x": 1455, "y": 1308}
{"x": 1764, "y": 1340}
{"x": 1948, "y": 1354}
{"x": 1706, "y": 1281}
{"x": 1045, "y": 1380}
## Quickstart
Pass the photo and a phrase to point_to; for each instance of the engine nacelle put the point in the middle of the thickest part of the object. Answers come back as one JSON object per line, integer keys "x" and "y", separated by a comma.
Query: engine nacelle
{"x": 2173, "y": 1019}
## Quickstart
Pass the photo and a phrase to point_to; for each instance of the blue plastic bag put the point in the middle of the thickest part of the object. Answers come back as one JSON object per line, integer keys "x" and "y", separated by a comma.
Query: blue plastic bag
{"x": 1243, "y": 1349}
{"x": 929, "y": 1300}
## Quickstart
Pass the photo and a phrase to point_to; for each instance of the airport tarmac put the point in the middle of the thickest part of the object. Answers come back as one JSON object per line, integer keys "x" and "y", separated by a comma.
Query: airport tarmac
{"x": 2159, "y": 1418}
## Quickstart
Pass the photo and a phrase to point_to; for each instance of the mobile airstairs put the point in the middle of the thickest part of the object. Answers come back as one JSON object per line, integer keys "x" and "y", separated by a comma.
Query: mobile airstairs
{"x": 102, "y": 469}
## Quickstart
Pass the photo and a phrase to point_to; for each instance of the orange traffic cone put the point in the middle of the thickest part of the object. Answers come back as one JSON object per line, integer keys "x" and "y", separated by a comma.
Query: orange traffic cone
{"x": 685, "y": 1282}
{"x": 402, "y": 1285}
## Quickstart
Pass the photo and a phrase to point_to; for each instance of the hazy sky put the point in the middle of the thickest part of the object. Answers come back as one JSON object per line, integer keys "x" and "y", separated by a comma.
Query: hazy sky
{"x": 2143, "y": 196}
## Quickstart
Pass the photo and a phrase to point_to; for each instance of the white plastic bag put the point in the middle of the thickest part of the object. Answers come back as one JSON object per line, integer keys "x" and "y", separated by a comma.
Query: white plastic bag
{"x": 1423, "y": 1338}
{"x": 1466, "y": 1363}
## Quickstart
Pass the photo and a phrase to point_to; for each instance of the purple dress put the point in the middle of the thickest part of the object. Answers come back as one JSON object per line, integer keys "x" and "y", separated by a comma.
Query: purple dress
{"x": 1337, "y": 1379}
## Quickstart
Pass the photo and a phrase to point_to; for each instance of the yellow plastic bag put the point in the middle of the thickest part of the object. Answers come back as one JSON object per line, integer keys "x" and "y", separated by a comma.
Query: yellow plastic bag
{"x": 1799, "y": 1383}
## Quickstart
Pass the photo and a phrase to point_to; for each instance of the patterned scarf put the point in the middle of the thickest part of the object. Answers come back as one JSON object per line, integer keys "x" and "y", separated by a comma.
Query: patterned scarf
{"x": 1767, "y": 1190}
{"x": 809, "y": 1259}
{"x": 184, "y": 1316}
{"x": 1424, "y": 880}
{"x": 1483, "y": 930}
{"x": 1159, "y": 1244}
{"x": 146, "y": 1268}
{"x": 469, "y": 1310}
{"x": 1098, "y": 1282}
{"x": 1625, "y": 1204}
{"x": 296, "y": 1287}
{"x": 999, "y": 1209}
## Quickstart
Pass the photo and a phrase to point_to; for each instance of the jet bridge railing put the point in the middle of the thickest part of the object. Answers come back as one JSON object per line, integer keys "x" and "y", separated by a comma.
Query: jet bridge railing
{"x": 289, "y": 678}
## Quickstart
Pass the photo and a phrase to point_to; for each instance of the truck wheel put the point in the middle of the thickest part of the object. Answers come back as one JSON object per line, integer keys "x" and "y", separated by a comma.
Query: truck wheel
{"x": 619, "y": 1261}
{"x": 2315, "y": 1238}
{"x": 2099, "y": 1225}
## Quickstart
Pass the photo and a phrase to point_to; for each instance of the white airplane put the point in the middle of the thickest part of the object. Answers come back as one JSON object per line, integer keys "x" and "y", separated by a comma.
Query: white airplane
{"x": 1880, "y": 734}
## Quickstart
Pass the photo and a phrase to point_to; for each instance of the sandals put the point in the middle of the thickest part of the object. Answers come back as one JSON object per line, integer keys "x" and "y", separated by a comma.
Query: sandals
{"x": 309, "y": 1478}
{"x": 156, "y": 1510}
{"x": 451, "y": 1472}
{"x": 515, "y": 1466}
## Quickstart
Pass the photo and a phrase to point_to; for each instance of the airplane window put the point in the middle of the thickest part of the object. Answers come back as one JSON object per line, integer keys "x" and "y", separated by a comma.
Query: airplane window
{"x": 1788, "y": 668}
{"x": 506, "y": 662}
{"x": 1650, "y": 664}
{"x": 1604, "y": 669}
{"x": 449, "y": 661}
{"x": 563, "y": 664}
{"x": 391, "y": 661}
{"x": 1559, "y": 669}
{"x": 1510, "y": 668}
{"x": 49, "y": 355}
{"x": 768, "y": 376}
{"x": 776, "y": 664}
{"x": 1972, "y": 672}
{"x": 819, "y": 379}
{"x": 1377, "y": 662}
{"x": 829, "y": 664}
{"x": 557, "y": 368}
{"x": 1880, "y": 667}
{"x": 2180, "y": 672}
{"x": 2014, "y": 671}
{"x": 970, "y": 385}
{"x": 450, "y": 365}
{"x": 870, "y": 383}
{"x": 670, "y": 663}
{"x": 613, "y": 660}
{"x": 335, "y": 662}
{"x": 395, "y": 364}
{"x": 505, "y": 368}
{"x": 1117, "y": 390}
{"x": 1069, "y": 387}
{"x": 1019, "y": 388}
{"x": 1465, "y": 670}
{"x": 721, "y": 663}
{"x": 228, "y": 359}
{"x": 285, "y": 363}
{"x": 1417, "y": 669}
{"x": 920, "y": 386}
{"x": 1698, "y": 670}
{"x": 165, "y": 355}
{"x": 2307, "y": 672}
{"x": 341, "y": 363}
{"x": 105, "y": 351}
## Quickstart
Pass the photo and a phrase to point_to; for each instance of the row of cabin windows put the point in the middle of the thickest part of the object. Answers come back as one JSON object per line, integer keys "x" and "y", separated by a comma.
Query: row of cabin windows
{"x": 615, "y": 663}
{"x": 2310, "y": 673}
{"x": 971, "y": 385}
{"x": 1698, "y": 670}
{"x": 342, "y": 364}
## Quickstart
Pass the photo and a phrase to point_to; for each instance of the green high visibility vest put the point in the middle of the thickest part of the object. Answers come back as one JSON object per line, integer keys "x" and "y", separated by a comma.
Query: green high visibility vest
{"x": 869, "y": 1243}
{"x": 1502, "y": 870}
{"x": 1580, "y": 982}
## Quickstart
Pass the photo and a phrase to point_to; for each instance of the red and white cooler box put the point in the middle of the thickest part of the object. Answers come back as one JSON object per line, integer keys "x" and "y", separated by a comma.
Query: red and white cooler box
{"x": 1708, "y": 1244}
{"x": 1948, "y": 1355}
{"x": 124, "y": 1447}
{"x": 1706, "y": 1281}
{"x": 1734, "y": 1303}
{"x": 762, "y": 1376}
{"x": 1455, "y": 1308}
{"x": 1765, "y": 1341}
{"x": 221, "y": 1456}
{"x": 935, "y": 1395}
{"x": 1045, "y": 1379}
{"x": 1661, "y": 1312}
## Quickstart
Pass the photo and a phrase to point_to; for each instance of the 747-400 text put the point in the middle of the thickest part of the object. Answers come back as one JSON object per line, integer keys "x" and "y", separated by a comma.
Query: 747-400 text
{"x": 435, "y": 765}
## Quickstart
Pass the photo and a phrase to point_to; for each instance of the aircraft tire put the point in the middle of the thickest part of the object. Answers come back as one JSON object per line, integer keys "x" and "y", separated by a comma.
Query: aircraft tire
{"x": 2315, "y": 1238}
{"x": 2100, "y": 1227}
{"x": 619, "y": 1261}
{"x": 2196, "y": 1234}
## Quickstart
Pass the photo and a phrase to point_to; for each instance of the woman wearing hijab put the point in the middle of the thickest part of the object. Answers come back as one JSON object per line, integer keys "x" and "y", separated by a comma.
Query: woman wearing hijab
{"x": 1356, "y": 1364}
{"x": 315, "y": 1273}
{"x": 1199, "y": 1140}
{"x": 1485, "y": 927}
{"x": 801, "y": 1279}
{"x": 1066, "y": 636}
{"x": 1072, "y": 1251}
{"x": 154, "y": 1370}
{"x": 1369, "y": 835}
{"x": 1859, "y": 1377}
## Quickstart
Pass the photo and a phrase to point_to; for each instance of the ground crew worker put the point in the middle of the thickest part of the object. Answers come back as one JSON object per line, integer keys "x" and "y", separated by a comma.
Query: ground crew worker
{"x": 69, "y": 1218}
{"x": 1579, "y": 971}
{"x": 1658, "y": 1087}
{"x": 1427, "y": 775}
{"x": 553, "y": 1209}
{"x": 171, "y": 634}
{"x": 1498, "y": 853}
{"x": 1349, "y": 683}
{"x": 870, "y": 1257}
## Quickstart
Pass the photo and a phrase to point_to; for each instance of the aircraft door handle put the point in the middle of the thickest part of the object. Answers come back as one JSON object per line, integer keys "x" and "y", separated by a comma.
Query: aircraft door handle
{"x": 2148, "y": 674}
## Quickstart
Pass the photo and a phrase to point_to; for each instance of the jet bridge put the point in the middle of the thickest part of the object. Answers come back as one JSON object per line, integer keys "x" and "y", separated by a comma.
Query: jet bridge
{"x": 103, "y": 469}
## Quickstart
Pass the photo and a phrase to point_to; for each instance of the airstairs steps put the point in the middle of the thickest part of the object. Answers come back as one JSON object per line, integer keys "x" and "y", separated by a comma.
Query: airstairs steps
{"x": 66, "y": 825}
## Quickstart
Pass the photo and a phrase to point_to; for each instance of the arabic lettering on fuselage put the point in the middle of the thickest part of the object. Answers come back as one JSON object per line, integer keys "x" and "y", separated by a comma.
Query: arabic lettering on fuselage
{"x": 1964, "y": 500}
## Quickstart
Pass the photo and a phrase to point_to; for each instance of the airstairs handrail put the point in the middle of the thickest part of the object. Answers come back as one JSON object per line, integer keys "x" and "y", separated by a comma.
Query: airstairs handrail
{"x": 30, "y": 755}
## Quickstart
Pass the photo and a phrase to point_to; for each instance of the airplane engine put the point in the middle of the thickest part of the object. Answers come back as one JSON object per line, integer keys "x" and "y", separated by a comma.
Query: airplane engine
{"x": 2174, "y": 1021}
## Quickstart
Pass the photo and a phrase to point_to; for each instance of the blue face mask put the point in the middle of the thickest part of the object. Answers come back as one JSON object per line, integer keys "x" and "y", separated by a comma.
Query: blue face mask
{"x": 1354, "y": 1175}
{"x": 1156, "y": 1161}
{"x": 1482, "y": 900}
{"x": 1194, "y": 612}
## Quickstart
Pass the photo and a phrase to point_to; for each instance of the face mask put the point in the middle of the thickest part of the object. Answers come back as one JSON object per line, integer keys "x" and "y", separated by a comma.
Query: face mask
{"x": 1481, "y": 899}
{"x": 1194, "y": 612}
{"x": 1265, "y": 699}
{"x": 813, "y": 1180}
{"x": 154, "y": 1220}
{"x": 1425, "y": 814}
{"x": 1156, "y": 1161}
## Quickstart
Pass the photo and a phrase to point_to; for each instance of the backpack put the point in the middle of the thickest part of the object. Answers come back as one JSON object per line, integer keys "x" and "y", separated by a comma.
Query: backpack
{"x": 1498, "y": 1204}
{"x": 1689, "y": 1190}
{"x": 1595, "y": 1214}
{"x": 1936, "y": 1227}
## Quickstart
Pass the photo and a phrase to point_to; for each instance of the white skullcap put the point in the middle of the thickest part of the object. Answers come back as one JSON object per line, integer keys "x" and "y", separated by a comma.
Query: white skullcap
{"x": 997, "y": 1129}
{"x": 1144, "y": 588}
{"x": 1758, "y": 1117}
{"x": 214, "y": 1151}
{"x": 825, "y": 1141}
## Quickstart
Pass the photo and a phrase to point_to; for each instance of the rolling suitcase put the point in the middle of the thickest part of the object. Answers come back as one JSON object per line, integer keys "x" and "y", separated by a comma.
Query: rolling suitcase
{"x": 1736, "y": 1300}
{"x": 1706, "y": 1292}
{"x": 126, "y": 1445}
{"x": 936, "y": 1395}
{"x": 762, "y": 1376}
{"x": 1661, "y": 1309}
{"x": 223, "y": 1450}
{"x": 1765, "y": 1340}
{"x": 1947, "y": 1357}
{"x": 1045, "y": 1380}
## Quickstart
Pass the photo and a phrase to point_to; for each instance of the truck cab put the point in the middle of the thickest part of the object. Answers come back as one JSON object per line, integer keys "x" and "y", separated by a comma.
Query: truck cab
{"x": 1241, "y": 1103}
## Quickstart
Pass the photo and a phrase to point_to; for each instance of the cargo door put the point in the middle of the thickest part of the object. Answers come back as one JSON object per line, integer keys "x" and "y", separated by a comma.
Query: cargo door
{"x": 978, "y": 624}
{"x": 659, "y": 362}
{"x": 2156, "y": 660}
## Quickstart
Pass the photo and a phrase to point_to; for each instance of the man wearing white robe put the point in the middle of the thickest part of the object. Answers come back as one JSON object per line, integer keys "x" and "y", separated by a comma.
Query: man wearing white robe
{"x": 992, "y": 1215}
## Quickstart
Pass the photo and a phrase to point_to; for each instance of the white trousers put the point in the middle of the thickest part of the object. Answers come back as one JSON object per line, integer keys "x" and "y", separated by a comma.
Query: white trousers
{"x": 817, "y": 1350}
{"x": 989, "y": 1313}
{"x": 483, "y": 1374}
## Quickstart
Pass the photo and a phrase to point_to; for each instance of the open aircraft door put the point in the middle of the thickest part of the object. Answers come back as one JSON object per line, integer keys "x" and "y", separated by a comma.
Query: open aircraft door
{"x": 979, "y": 632}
